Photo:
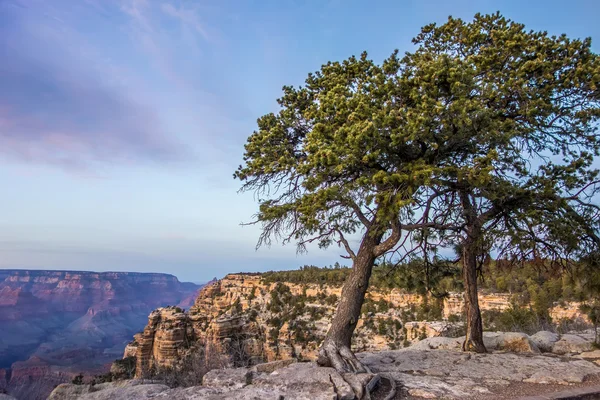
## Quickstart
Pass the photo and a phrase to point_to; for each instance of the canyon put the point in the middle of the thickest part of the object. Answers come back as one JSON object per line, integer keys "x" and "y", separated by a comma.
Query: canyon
{"x": 56, "y": 324}
{"x": 252, "y": 320}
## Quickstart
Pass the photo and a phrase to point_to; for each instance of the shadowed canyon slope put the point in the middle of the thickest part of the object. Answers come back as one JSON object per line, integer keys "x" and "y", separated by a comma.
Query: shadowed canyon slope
{"x": 54, "y": 324}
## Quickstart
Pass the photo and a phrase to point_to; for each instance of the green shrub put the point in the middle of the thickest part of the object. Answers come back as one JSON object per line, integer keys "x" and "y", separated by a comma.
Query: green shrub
{"x": 77, "y": 380}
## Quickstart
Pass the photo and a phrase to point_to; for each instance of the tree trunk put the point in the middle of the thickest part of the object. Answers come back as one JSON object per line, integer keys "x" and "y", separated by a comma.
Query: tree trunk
{"x": 474, "y": 335}
{"x": 335, "y": 350}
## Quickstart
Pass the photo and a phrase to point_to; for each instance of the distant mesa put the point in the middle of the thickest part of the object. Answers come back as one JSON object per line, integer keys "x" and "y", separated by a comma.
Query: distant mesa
{"x": 56, "y": 324}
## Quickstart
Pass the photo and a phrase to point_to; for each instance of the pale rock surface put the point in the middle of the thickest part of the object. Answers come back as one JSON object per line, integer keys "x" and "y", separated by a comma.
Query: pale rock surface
{"x": 570, "y": 343}
{"x": 6, "y": 397}
{"x": 135, "y": 389}
{"x": 507, "y": 341}
{"x": 298, "y": 381}
{"x": 432, "y": 368}
{"x": 439, "y": 343}
{"x": 544, "y": 340}
{"x": 426, "y": 374}
{"x": 590, "y": 355}
{"x": 433, "y": 374}
{"x": 515, "y": 342}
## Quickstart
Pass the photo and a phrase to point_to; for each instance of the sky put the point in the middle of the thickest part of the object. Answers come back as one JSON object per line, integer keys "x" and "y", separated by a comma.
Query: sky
{"x": 122, "y": 121}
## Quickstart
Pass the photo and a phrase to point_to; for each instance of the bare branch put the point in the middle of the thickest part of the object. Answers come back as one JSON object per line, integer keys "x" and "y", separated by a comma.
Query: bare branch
{"x": 343, "y": 240}
{"x": 391, "y": 241}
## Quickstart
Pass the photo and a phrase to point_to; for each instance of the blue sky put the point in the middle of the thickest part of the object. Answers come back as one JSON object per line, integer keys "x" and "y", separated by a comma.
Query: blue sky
{"x": 122, "y": 121}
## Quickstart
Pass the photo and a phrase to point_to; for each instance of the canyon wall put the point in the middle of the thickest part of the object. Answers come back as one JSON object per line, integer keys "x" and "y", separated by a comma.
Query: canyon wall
{"x": 251, "y": 320}
{"x": 56, "y": 324}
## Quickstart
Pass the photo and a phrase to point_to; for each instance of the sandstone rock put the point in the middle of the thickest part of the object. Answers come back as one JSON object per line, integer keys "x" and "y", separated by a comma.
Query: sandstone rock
{"x": 570, "y": 343}
{"x": 67, "y": 391}
{"x": 456, "y": 375}
{"x": 427, "y": 374}
{"x": 433, "y": 388}
{"x": 507, "y": 341}
{"x": 587, "y": 334}
{"x": 228, "y": 378}
{"x": 442, "y": 343}
{"x": 137, "y": 392}
{"x": 544, "y": 340}
{"x": 298, "y": 381}
{"x": 514, "y": 342}
{"x": 306, "y": 380}
{"x": 273, "y": 365}
{"x": 590, "y": 355}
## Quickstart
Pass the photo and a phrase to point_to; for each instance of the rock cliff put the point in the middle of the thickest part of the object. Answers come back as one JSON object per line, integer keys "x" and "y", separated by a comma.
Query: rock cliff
{"x": 55, "y": 324}
{"x": 438, "y": 370}
{"x": 254, "y": 321}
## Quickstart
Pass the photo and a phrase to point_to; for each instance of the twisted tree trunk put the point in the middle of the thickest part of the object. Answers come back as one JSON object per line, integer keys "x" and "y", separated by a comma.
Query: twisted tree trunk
{"x": 335, "y": 350}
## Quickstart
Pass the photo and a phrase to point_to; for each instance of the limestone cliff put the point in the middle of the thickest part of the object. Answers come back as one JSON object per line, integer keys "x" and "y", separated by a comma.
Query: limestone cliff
{"x": 253, "y": 321}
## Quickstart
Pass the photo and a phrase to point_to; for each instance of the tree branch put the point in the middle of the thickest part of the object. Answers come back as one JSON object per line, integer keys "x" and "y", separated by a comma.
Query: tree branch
{"x": 391, "y": 241}
{"x": 346, "y": 245}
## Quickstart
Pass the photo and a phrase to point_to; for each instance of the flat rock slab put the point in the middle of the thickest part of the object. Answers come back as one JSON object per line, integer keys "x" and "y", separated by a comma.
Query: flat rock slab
{"x": 298, "y": 381}
{"x": 451, "y": 374}
{"x": 438, "y": 373}
{"x": 590, "y": 355}
{"x": 570, "y": 343}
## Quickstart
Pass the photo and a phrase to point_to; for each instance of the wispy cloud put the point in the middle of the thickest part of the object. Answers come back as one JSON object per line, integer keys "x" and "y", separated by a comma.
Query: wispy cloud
{"x": 63, "y": 104}
{"x": 187, "y": 17}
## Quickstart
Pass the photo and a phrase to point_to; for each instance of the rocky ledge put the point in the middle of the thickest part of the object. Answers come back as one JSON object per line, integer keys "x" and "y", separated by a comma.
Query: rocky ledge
{"x": 434, "y": 368}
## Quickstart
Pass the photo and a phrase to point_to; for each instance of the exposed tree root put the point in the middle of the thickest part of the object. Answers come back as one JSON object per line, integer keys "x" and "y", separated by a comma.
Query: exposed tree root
{"x": 473, "y": 345}
{"x": 340, "y": 357}
{"x": 393, "y": 387}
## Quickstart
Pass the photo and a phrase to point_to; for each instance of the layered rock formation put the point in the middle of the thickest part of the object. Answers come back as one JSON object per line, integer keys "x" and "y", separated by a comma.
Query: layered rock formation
{"x": 254, "y": 321}
{"x": 414, "y": 372}
{"x": 55, "y": 324}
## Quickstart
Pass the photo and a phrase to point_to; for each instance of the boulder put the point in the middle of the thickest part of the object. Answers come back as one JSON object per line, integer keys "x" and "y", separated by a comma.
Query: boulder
{"x": 590, "y": 355}
{"x": 516, "y": 342}
{"x": 132, "y": 389}
{"x": 439, "y": 343}
{"x": 569, "y": 344}
{"x": 305, "y": 381}
{"x": 544, "y": 340}
{"x": 228, "y": 378}
{"x": 273, "y": 365}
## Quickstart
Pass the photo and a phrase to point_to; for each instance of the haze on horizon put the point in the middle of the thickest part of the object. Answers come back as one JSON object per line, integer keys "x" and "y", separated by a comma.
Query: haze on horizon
{"x": 122, "y": 121}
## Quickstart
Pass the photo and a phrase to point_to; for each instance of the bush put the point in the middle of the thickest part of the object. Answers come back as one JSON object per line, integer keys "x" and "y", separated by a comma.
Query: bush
{"x": 515, "y": 319}
{"x": 454, "y": 318}
{"x": 123, "y": 368}
{"x": 191, "y": 370}
{"x": 331, "y": 300}
{"x": 78, "y": 380}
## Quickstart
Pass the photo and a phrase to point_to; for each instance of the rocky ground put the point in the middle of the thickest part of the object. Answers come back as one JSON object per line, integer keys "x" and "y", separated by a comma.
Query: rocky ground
{"x": 433, "y": 368}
